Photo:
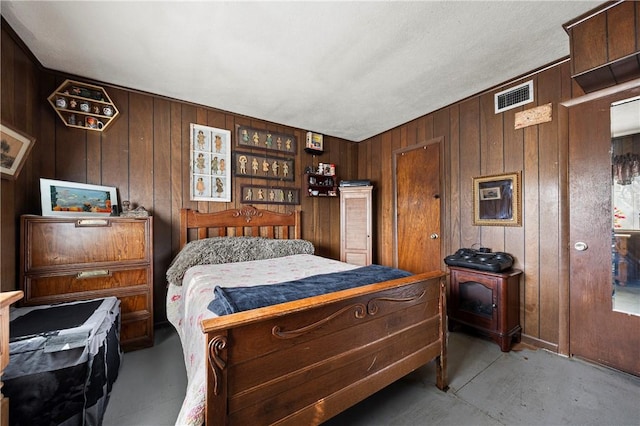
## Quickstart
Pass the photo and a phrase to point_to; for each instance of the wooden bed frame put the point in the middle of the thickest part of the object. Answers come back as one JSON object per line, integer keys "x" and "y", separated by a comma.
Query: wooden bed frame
{"x": 305, "y": 361}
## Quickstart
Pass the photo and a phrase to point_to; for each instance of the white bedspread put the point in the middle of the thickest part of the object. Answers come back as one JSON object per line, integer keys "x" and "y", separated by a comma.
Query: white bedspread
{"x": 187, "y": 307}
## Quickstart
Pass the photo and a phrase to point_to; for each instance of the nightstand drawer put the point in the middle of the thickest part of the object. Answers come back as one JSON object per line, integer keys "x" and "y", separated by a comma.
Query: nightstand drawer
{"x": 73, "y": 284}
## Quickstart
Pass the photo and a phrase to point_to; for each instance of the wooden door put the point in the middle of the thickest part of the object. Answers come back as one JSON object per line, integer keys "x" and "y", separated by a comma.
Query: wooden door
{"x": 417, "y": 191}
{"x": 596, "y": 331}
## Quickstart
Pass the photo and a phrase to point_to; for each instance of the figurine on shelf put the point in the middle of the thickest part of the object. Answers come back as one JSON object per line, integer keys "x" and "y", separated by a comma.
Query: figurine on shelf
{"x": 139, "y": 211}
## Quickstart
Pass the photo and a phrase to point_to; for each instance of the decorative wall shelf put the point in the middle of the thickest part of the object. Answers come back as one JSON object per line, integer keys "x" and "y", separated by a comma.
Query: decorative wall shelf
{"x": 83, "y": 106}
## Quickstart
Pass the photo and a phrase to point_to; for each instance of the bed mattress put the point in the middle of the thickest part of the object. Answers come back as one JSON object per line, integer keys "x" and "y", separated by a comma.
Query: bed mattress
{"x": 63, "y": 362}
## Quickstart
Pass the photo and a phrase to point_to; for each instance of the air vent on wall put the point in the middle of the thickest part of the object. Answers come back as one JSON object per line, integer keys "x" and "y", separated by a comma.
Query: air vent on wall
{"x": 514, "y": 97}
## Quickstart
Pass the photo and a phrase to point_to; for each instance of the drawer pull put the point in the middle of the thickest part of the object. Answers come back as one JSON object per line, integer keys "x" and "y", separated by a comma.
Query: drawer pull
{"x": 93, "y": 274}
{"x": 92, "y": 222}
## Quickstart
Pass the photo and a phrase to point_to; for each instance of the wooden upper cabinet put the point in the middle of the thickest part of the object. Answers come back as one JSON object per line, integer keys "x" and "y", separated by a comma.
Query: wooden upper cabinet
{"x": 621, "y": 27}
{"x": 589, "y": 44}
{"x": 605, "y": 45}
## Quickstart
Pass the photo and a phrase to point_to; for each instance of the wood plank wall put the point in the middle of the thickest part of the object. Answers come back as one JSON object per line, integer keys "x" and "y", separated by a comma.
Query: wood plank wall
{"x": 477, "y": 143}
{"x": 145, "y": 154}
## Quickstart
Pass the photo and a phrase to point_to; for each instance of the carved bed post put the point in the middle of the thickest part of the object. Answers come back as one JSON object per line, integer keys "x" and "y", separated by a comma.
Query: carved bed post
{"x": 217, "y": 403}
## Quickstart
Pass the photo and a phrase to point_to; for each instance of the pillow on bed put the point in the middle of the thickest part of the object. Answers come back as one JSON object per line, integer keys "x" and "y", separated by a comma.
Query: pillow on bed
{"x": 210, "y": 251}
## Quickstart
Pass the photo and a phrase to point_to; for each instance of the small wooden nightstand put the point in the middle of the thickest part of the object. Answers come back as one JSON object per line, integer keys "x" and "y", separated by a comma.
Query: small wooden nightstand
{"x": 488, "y": 302}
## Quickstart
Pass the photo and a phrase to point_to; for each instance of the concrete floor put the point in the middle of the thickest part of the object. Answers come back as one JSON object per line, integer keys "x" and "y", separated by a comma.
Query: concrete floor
{"x": 487, "y": 387}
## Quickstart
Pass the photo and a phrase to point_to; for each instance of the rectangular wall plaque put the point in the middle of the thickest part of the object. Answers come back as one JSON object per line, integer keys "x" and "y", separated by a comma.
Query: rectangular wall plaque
{"x": 256, "y": 165}
{"x": 265, "y": 194}
{"x": 249, "y": 137}
{"x": 538, "y": 115}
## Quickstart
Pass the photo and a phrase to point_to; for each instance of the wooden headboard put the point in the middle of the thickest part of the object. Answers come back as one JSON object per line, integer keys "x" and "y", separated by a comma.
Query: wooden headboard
{"x": 245, "y": 221}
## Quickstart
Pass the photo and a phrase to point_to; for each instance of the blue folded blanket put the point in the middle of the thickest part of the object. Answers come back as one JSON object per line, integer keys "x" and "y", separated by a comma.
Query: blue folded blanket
{"x": 238, "y": 299}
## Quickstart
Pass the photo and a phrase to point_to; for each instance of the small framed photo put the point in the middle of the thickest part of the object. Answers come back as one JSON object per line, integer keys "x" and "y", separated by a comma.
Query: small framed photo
{"x": 497, "y": 200}
{"x": 490, "y": 193}
{"x": 62, "y": 198}
{"x": 15, "y": 147}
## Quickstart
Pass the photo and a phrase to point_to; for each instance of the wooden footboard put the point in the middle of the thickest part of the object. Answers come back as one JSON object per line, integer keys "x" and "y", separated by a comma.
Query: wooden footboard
{"x": 305, "y": 361}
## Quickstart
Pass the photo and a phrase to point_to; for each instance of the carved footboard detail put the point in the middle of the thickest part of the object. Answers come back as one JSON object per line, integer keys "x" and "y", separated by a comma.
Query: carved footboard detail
{"x": 359, "y": 310}
{"x": 373, "y": 308}
{"x": 216, "y": 345}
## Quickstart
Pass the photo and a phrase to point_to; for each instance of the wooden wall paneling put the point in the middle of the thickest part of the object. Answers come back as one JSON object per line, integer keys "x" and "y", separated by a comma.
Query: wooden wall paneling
{"x": 384, "y": 195}
{"x": 22, "y": 114}
{"x": 333, "y": 206}
{"x": 403, "y": 136}
{"x": 455, "y": 183}
{"x": 141, "y": 118}
{"x": 25, "y": 118}
{"x": 44, "y": 150}
{"x": 203, "y": 206}
{"x": 514, "y": 159}
{"x": 189, "y": 115}
{"x": 177, "y": 174}
{"x": 7, "y": 100}
{"x": 411, "y": 132}
{"x": 492, "y": 160}
{"x": 94, "y": 161}
{"x": 8, "y": 253}
{"x": 531, "y": 224}
{"x": 161, "y": 207}
{"x": 71, "y": 153}
{"x": 549, "y": 88}
{"x": 377, "y": 172}
{"x": 115, "y": 147}
{"x": 637, "y": 27}
{"x": 396, "y": 143}
{"x": 469, "y": 167}
{"x": 429, "y": 122}
{"x": 441, "y": 129}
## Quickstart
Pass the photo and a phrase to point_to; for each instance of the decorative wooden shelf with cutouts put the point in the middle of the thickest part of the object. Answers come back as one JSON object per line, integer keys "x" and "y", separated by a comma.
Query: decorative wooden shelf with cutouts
{"x": 83, "y": 106}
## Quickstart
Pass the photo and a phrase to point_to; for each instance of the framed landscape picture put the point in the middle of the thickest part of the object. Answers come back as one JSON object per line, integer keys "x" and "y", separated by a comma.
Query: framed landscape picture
{"x": 62, "y": 198}
{"x": 14, "y": 149}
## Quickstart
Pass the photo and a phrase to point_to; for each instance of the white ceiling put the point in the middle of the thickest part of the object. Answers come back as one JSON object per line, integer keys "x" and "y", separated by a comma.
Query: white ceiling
{"x": 346, "y": 69}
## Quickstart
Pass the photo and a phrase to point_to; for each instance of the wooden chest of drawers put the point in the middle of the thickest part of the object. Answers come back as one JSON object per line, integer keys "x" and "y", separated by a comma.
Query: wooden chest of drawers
{"x": 65, "y": 259}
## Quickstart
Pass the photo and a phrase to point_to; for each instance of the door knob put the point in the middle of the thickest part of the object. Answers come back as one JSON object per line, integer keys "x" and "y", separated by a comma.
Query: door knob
{"x": 434, "y": 236}
{"x": 580, "y": 246}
